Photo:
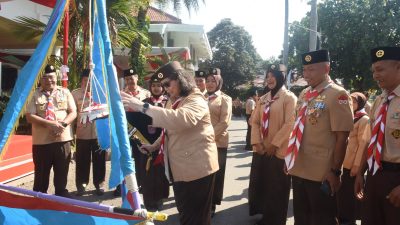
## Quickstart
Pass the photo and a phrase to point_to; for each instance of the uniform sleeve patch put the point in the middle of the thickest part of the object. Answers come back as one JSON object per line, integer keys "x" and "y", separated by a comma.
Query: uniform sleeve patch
{"x": 343, "y": 99}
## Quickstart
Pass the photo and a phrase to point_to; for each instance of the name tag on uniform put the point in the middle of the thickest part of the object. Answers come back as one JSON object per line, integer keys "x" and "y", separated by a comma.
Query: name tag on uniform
{"x": 396, "y": 134}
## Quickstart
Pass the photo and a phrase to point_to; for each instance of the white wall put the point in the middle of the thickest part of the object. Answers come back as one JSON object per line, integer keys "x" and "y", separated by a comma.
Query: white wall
{"x": 12, "y": 9}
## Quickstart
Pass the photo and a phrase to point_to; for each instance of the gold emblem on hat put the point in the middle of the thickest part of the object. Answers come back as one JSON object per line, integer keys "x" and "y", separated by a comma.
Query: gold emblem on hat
{"x": 308, "y": 58}
{"x": 380, "y": 53}
{"x": 396, "y": 134}
{"x": 201, "y": 73}
{"x": 52, "y": 67}
{"x": 272, "y": 67}
{"x": 130, "y": 71}
{"x": 160, "y": 75}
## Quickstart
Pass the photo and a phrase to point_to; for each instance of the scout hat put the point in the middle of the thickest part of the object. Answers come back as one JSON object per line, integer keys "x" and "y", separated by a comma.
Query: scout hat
{"x": 385, "y": 53}
{"x": 315, "y": 57}
{"x": 214, "y": 71}
{"x": 129, "y": 72}
{"x": 168, "y": 70}
{"x": 200, "y": 74}
{"x": 50, "y": 70}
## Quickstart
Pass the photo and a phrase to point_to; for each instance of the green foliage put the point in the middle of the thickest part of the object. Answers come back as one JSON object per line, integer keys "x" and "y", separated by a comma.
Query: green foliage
{"x": 349, "y": 30}
{"x": 233, "y": 53}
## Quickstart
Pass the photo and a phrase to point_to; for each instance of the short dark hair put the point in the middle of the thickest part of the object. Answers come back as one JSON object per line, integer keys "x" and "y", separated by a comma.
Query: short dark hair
{"x": 185, "y": 80}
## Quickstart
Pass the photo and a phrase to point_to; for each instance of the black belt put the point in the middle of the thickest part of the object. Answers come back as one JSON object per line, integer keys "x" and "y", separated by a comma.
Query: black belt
{"x": 389, "y": 166}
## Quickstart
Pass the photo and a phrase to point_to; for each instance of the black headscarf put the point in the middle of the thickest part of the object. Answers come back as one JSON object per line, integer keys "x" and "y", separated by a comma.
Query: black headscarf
{"x": 280, "y": 79}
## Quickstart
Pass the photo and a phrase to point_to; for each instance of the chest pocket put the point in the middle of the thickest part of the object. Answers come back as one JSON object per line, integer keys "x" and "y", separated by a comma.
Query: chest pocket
{"x": 41, "y": 104}
{"x": 316, "y": 108}
{"x": 61, "y": 101}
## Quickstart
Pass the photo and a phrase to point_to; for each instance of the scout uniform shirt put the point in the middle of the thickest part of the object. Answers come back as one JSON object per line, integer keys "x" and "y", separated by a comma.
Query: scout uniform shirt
{"x": 391, "y": 147}
{"x": 358, "y": 141}
{"x": 85, "y": 131}
{"x": 63, "y": 102}
{"x": 140, "y": 93}
{"x": 189, "y": 149}
{"x": 281, "y": 121}
{"x": 220, "y": 106}
{"x": 329, "y": 112}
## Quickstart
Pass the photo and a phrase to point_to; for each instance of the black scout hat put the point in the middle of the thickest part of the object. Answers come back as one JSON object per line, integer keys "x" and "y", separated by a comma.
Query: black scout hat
{"x": 214, "y": 71}
{"x": 85, "y": 73}
{"x": 50, "y": 70}
{"x": 385, "y": 53}
{"x": 200, "y": 74}
{"x": 129, "y": 72}
{"x": 168, "y": 70}
{"x": 315, "y": 57}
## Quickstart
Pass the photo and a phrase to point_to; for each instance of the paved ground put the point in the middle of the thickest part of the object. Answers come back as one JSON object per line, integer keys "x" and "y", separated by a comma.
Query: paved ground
{"x": 234, "y": 208}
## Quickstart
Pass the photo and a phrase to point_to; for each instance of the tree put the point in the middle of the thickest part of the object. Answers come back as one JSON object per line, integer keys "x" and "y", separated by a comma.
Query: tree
{"x": 233, "y": 53}
{"x": 349, "y": 29}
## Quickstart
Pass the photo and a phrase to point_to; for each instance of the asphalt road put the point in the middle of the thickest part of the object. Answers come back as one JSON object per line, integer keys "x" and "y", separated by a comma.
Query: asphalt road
{"x": 232, "y": 211}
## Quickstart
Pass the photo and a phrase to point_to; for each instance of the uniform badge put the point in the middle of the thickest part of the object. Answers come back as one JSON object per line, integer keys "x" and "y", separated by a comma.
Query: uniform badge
{"x": 42, "y": 107}
{"x": 380, "y": 53}
{"x": 343, "y": 100}
{"x": 160, "y": 75}
{"x": 319, "y": 105}
{"x": 396, "y": 116}
{"x": 313, "y": 120}
{"x": 396, "y": 134}
{"x": 308, "y": 58}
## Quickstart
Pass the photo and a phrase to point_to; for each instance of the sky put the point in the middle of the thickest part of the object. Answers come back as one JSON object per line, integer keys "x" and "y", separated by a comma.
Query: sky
{"x": 263, "y": 19}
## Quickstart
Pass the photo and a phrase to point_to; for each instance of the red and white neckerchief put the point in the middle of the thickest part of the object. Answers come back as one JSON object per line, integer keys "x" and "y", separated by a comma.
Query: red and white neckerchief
{"x": 133, "y": 93}
{"x": 297, "y": 133}
{"x": 378, "y": 137}
{"x": 50, "y": 113}
{"x": 212, "y": 97}
{"x": 158, "y": 100}
{"x": 160, "y": 157}
{"x": 265, "y": 118}
{"x": 358, "y": 114}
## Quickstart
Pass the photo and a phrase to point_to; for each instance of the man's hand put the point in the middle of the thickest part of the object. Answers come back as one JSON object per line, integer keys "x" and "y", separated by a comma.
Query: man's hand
{"x": 272, "y": 150}
{"x": 145, "y": 148}
{"x": 259, "y": 148}
{"x": 359, "y": 186}
{"x": 131, "y": 103}
{"x": 334, "y": 182}
{"x": 394, "y": 196}
{"x": 56, "y": 128}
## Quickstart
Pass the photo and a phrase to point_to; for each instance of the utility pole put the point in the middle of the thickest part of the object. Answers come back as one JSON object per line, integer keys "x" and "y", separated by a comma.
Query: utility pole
{"x": 286, "y": 35}
{"x": 313, "y": 26}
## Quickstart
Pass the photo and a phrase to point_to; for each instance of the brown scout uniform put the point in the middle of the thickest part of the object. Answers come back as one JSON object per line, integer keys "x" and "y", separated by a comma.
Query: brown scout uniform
{"x": 376, "y": 207}
{"x": 329, "y": 112}
{"x": 348, "y": 205}
{"x": 269, "y": 186}
{"x": 87, "y": 148}
{"x": 221, "y": 113}
{"x": 49, "y": 150}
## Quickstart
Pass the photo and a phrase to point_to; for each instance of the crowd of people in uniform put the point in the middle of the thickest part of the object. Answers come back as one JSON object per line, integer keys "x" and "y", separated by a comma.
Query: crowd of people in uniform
{"x": 320, "y": 143}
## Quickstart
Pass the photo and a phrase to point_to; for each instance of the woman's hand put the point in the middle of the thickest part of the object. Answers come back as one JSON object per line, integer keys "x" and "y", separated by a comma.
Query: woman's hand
{"x": 131, "y": 103}
{"x": 146, "y": 148}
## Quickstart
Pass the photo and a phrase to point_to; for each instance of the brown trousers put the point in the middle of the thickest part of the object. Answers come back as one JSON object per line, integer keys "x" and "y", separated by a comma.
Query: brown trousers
{"x": 311, "y": 206}
{"x": 88, "y": 151}
{"x": 56, "y": 155}
{"x": 347, "y": 204}
{"x": 193, "y": 200}
{"x": 220, "y": 177}
{"x": 377, "y": 210}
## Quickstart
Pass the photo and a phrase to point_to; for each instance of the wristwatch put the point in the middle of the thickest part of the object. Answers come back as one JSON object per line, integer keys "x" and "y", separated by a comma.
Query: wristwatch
{"x": 336, "y": 172}
{"x": 145, "y": 107}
